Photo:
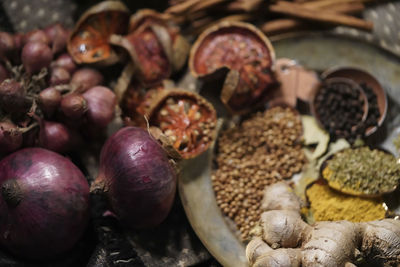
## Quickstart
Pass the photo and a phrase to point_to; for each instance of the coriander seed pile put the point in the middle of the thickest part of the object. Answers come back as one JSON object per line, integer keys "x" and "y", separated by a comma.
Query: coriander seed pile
{"x": 264, "y": 149}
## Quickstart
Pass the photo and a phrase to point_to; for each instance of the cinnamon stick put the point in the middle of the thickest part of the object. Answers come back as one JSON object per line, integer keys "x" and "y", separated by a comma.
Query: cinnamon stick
{"x": 204, "y": 4}
{"x": 347, "y": 8}
{"x": 328, "y": 17}
{"x": 278, "y": 26}
{"x": 237, "y": 17}
{"x": 244, "y": 5}
{"x": 181, "y": 7}
{"x": 319, "y": 4}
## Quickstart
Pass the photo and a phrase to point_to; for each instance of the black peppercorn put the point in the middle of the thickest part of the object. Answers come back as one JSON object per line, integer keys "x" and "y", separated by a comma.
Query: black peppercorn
{"x": 340, "y": 107}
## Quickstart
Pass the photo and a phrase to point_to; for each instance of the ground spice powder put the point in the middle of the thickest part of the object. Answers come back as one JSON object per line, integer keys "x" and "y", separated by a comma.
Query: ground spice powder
{"x": 327, "y": 204}
{"x": 264, "y": 149}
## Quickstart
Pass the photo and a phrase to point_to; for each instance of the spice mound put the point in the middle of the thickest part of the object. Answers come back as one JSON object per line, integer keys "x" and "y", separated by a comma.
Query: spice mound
{"x": 264, "y": 149}
{"x": 327, "y": 204}
{"x": 362, "y": 171}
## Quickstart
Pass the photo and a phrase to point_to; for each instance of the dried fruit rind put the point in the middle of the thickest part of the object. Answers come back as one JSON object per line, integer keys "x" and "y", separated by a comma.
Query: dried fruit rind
{"x": 247, "y": 55}
{"x": 89, "y": 41}
{"x": 186, "y": 118}
{"x": 155, "y": 46}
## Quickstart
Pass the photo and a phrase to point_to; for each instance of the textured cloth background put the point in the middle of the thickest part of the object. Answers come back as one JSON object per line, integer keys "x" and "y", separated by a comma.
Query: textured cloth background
{"x": 174, "y": 243}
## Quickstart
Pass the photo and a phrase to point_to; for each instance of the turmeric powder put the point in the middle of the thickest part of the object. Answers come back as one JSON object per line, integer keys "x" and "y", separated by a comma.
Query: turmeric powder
{"x": 327, "y": 204}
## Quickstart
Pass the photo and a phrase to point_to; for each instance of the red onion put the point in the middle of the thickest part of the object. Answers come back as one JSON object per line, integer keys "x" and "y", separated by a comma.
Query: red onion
{"x": 7, "y": 45}
{"x": 86, "y": 78}
{"x": 101, "y": 103}
{"x": 10, "y": 137}
{"x": 56, "y": 137}
{"x": 36, "y": 36}
{"x": 73, "y": 106}
{"x": 44, "y": 203}
{"x": 58, "y": 36}
{"x": 12, "y": 97}
{"x": 137, "y": 177}
{"x": 65, "y": 61}
{"x": 4, "y": 74}
{"x": 35, "y": 56}
{"x": 49, "y": 100}
{"x": 59, "y": 76}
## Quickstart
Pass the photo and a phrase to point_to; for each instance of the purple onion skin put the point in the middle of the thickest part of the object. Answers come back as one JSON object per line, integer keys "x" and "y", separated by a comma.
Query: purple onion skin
{"x": 101, "y": 103}
{"x": 36, "y": 36}
{"x": 58, "y": 36}
{"x": 86, "y": 78}
{"x": 35, "y": 56}
{"x": 65, "y": 61}
{"x": 49, "y": 212}
{"x": 49, "y": 100}
{"x": 10, "y": 138}
{"x": 59, "y": 76}
{"x": 139, "y": 180}
{"x": 73, "y": 106}
{"x": 56, "y": 137}
{"x": 12, "y": 97}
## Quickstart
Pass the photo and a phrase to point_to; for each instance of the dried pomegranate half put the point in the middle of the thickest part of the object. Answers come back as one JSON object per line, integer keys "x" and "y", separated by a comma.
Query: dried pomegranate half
{"x": 155, "y": 45}
{"x": 89, "y": 41}
{"x": 245, "y": 54}
{"x": 186, "y": 118}
{"x": 136, "y": 103}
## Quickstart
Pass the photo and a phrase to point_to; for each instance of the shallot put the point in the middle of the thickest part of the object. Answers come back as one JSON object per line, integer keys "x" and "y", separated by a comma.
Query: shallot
{"x": 7, "y": 45}
{"x": 101, "y": 103}
{"x": 59, "y": 76}
{"x": 49, "y": 100}
{"x": 65, "y": 61}
{"x": 73, "y": 106}
{"x": 12, "y": 97}
{"x": 85, "y": 78}
{"x": 10, "y": 137}
{"x": 44, "y": 203}
{"x": 35, "y": 56}
{"x": 56, "y": 137}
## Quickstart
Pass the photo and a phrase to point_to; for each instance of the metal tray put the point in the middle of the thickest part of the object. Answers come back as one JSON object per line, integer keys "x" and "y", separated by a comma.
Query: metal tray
{"x": 318, "y": 51}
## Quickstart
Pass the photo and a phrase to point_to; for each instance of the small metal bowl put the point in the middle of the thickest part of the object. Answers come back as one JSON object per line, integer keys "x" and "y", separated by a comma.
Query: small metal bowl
{"x": 339, "y": 80}
{"x": 361, "y": 76}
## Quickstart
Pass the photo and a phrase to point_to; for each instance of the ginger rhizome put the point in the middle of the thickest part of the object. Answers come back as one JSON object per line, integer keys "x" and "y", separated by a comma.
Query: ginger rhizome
{"x": 286, "y": 240}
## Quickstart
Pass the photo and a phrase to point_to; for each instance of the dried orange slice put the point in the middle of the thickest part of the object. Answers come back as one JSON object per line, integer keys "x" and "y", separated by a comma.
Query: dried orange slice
{"x": 187, "y": 118}
{"x": 89, "y": 41}
{"x": 245, "y": 54}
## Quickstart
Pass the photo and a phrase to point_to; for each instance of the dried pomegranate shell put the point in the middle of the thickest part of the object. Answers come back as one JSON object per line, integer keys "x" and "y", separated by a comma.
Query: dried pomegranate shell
{"x": 175, "y": 45}
{"x": 156, "y": 47}
{"x": 136, "y": 103}
{"x": 187, "y": 118}
{"x": 89, "y": 41}
{"x": 242, "y": 52}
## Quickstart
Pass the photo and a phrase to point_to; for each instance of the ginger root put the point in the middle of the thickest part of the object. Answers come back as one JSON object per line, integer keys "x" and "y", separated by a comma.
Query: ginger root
{"x": 286, "y": 240}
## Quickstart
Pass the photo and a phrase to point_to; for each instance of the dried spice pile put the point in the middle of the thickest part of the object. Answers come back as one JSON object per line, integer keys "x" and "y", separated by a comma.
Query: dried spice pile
{"x": 362, "y": 171}
{"x": 264, "y": 149}
{"x": 327, "y": 204}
